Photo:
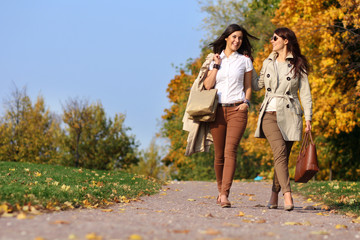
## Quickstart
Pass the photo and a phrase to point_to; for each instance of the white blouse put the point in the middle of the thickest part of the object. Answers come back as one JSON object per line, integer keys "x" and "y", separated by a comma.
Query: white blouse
{"x": 230, "y": 77}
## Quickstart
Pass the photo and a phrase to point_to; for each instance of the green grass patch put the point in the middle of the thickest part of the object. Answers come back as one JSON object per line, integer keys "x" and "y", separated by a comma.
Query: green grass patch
{"x": 342, "y": 196}
{"x": 57, "y": 187}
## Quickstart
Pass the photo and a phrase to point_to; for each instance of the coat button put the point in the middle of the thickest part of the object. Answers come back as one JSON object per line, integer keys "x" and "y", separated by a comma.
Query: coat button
{"x": 289, "y": 65}
{"x": 269, "y": 89}
{"x": 287, "y": 105}
{"x": 288, "y": 78}
{"x": 288, "y": 93}
{"x": 268, "y": 75}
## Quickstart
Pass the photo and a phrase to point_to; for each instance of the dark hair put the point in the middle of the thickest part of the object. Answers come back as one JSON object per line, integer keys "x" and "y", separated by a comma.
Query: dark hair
{"x": 220, "y": 44}
{"x": 300, "y": 64}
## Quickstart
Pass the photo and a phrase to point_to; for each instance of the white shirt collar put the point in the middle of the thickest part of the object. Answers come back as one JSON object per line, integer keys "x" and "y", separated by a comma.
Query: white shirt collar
{"x": 234, "y": 54}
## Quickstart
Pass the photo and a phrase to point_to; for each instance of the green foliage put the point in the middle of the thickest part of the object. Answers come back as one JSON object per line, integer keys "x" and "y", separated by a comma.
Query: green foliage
{"x": 62, "y": 187}
{"x": 93, "y": 141}
{"x": 150, "y": 163}
{"x": 28, "y": 132}
{"x": 343, "y": 196}
{"x": 31, "y": 133}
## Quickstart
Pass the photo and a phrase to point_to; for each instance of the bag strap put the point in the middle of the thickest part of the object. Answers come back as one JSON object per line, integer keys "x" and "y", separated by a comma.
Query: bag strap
{"x": 305, "y": 141}
{"x": 312, "y": 142}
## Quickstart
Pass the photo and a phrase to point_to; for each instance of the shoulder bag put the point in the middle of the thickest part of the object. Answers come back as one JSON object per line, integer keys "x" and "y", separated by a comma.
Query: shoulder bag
{"x": 202, "y": 105}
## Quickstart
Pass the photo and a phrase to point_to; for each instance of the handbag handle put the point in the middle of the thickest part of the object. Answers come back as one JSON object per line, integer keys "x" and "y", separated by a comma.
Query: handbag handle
{"x": 306, "y": 140}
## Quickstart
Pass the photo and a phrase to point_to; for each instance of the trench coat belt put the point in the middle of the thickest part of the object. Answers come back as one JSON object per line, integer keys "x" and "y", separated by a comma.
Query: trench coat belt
{"x": 288, "y": 98}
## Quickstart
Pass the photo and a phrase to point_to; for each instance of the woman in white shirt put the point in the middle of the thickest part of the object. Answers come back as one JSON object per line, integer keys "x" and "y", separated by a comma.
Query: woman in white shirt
{"x": 229, "y": 73}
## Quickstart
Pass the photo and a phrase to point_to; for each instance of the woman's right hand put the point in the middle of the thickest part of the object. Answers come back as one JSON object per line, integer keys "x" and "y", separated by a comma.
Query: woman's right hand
{"x": 217, "y": 59}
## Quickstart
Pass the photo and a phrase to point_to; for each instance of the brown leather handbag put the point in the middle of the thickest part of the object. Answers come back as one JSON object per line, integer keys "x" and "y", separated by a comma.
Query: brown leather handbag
{"x": 307, "y": 164}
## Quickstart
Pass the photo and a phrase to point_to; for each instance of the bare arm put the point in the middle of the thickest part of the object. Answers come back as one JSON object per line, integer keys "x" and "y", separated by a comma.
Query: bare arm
{"x": 210, "y": 80}
{"x": 247, "y": 89}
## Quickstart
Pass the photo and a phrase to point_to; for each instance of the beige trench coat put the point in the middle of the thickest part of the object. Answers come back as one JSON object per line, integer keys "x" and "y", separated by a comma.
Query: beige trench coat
{"x": 199, "y": 138}
{"x": 288, "y": 110}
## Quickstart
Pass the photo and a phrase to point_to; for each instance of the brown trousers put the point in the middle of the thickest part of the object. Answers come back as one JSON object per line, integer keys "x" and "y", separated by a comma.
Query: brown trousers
{"x": 227, "y": 130}
{"x": 281, "y": 150}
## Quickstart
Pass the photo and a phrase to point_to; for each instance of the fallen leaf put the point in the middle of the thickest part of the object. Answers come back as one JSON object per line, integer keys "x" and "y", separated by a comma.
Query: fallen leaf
{"x": 292, "y": 223}
{"x": 356, "y": 220}
{"x": 22, "y": 216}
{"x": 107, "y": 210}
{"x": 251, "y": 199}
{"x": 93, "y": 236}
{"x": 319, "y": 232}
{"x": 72, "y": 237}
{"x": 241, "y": 214}
{"x": 211, "y": 231}
{"x": 160, "y": 211}
{"x": 163, "y": 194}
{"x": 209, "y": 215}
{"x": 60, "y": 222}
{"x": 325, "y": 207}
{"x": 39, "y": 238}
{"x": 185, "y": 231}
{"x": 260, "y": 221}
{"x": 135, "y": 237}
{"x": 247, "y": 221}
{"x": 322, "y": 214}
{"x": 341, "y": 226}
{"x": 231, "y": 225}
{"x": 191, "y": 200}
{"x": 246, "y": 194}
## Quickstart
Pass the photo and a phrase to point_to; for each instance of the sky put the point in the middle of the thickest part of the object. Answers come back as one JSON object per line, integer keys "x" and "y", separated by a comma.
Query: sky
{"x": 121, "y": 53}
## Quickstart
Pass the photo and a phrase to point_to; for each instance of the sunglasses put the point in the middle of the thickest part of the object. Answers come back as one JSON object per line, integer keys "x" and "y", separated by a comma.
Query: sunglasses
{"x": 275, "y": 38}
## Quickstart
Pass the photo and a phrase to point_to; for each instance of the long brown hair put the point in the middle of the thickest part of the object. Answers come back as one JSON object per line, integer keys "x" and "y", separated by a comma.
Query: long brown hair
{"x": 220, "y": 44}
{"x": 299, "y": 62}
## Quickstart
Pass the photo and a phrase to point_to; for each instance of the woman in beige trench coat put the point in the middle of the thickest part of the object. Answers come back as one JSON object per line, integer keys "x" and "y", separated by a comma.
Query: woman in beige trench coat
{"x": 283, "y": 74}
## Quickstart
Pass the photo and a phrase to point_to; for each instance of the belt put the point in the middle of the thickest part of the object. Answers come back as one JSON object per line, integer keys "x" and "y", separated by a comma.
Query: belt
{"x": 231, "y": 104}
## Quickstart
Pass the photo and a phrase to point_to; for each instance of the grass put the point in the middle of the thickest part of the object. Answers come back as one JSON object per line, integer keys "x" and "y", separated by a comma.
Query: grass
{"x": 342, "y": 196}
{"x": 50, "y": 187}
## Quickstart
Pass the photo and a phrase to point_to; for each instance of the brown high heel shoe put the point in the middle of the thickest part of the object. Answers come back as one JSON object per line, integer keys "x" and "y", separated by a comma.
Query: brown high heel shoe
{"x": 225, "y": 204}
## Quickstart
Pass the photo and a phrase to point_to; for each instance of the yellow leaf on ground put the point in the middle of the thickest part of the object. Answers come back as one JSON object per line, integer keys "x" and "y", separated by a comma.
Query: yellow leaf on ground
{"x": 191, "y": 200}
{"x": 135, "y": 237}
{"x": 107, "y": 210}
{"x": 21, "y": 216}
{"x": 356, "y": 220}
{"x": 163, "y": 194}
{"x": 93, "y": 236}
{"x": 39, "y": 238}
{"x": 322, "y": 214}
{"x": 341, "y": 226}
{"x": 292, "y": 223}
{"x": 241, "y": 214}
{"x": 72, "y": 237}
{"x": 319, "y": 233}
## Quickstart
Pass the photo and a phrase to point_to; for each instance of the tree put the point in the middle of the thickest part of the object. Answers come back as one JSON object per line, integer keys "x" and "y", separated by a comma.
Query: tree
{"x": 329, "y": 34}
{"x": 93, "y": 141}
{"x": 150, "y": 163}
{"x": 29, "y": 133}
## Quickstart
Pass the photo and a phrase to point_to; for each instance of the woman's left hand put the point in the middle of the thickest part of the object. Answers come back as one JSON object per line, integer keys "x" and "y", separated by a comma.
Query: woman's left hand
{"x": 242, "y": 107}
{"x": 308, "y": 126}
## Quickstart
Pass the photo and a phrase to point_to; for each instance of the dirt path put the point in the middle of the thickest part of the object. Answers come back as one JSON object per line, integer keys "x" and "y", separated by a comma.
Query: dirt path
{"x": 187, "y": 210}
